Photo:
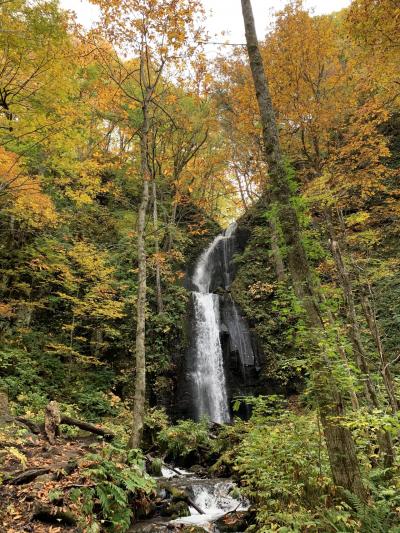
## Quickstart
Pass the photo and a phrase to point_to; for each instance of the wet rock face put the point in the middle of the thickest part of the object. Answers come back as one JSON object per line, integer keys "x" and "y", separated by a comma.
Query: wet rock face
{"x": 242, "y": 358}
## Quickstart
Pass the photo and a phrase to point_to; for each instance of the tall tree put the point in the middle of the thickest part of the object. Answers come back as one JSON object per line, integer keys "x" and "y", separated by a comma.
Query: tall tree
{"x": 341, "y": 449}
{"x": 156, "y": 32}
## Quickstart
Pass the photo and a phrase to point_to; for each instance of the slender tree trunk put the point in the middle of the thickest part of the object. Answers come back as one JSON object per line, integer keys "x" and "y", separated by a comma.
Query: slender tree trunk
{"x": 172, "y": 221}
{"x": 370, "y": 315}
{"x": 160, "y": 305}
{"x": 140, "y": 377}
{"x": 355, "y": 333}
{"x": 240, "y": 186}
{"x": 390, "y": 387}
{"x": 340, "y": 445}
{"x": 385, "y": 439}
{"x": 342, "y": 352}
{"x": 276, "y": 252}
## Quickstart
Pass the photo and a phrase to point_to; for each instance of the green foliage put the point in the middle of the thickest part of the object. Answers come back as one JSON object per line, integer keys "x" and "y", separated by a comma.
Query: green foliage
{"x": 281, "y": 459}
{"x": 69, "y": 193}
{"x": 270, "y": 307}
{"x": 31, "y": 379}
{"x": 283, "y": 476}
{"x": 156, "y": 420}
{"x": 184, "y": 438}
{"x": 117, "y": 475}
{"x": 155, "y": 467}
{"x": 226, "y": 445}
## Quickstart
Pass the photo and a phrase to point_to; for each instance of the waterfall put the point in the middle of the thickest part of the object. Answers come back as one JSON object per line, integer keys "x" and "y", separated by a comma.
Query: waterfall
{"x": 215, "y": 315}
{"x": 239, "y": 335}
{"x": 208, "y": 373}
{"x": 208, "y": 366}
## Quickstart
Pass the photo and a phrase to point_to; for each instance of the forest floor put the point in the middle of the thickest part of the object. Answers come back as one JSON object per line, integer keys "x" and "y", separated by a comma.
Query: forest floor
{"x": 36, "y": 475}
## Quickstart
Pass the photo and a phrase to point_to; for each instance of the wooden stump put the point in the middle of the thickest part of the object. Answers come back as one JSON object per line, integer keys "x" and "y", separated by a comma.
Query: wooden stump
{"x": 52, "y": 421}
{"x": 4, "y": 410}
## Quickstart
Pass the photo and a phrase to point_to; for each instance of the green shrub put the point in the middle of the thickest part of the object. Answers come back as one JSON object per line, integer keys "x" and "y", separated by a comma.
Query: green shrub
{"x": 184, "y": 438}
{"x": 285, "y": 478}
{"x": 283, "y": 465}
{"x": 156, "y": 420}
{"x": 155, "y": 467}
{"x": 117, "y": 475}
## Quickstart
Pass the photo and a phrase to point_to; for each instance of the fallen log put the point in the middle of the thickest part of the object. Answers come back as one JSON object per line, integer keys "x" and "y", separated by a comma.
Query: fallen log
{"x": 58, "y": 471}
{"x": 53, "y": 418}
{"x": 51, "y": 515}
{"x": 195, "y": 506}
{"x": 180, "y": 494}
{"x": 108, "y": 435}
{"x": 173, "y": 470}
{"x": 26, "y": 476}
{"x": 34, "y": 428}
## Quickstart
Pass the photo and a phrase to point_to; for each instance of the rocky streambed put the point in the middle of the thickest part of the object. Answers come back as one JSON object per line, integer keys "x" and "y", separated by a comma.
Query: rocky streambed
{"x": 187, "y": 503}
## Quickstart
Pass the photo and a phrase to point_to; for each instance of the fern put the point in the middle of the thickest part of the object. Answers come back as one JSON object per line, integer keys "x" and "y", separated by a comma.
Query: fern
{"x": 118, "y": 474}
{"x": 375, "y": 518}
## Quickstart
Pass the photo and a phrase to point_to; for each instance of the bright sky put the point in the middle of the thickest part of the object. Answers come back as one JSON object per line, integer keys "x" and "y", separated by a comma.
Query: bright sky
{"x": 223, "y": 15}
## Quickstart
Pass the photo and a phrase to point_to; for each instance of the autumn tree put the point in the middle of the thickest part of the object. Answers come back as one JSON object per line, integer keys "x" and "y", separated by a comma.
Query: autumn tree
{"x": 33, "y": 74}
{"x": 341, "y": 448}
{"x": 155, "y": 33}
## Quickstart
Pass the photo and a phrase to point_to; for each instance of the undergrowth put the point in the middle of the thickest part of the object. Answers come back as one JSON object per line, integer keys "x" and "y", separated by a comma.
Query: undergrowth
{"x": 115, "y": 476}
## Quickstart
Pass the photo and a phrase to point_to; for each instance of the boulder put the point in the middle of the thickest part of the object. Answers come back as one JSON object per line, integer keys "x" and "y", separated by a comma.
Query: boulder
{"x": 176, "y": 509}
{"x": 234, "y": 522}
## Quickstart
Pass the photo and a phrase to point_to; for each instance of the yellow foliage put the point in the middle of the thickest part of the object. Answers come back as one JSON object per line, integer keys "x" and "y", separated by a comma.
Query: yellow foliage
{"x": 16, "y": 454}
{"x": 24, "y": 197}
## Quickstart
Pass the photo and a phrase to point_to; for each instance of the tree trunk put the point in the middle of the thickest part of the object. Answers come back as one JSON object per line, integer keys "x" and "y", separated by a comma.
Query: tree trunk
{"x": 172, "y": 222}
{"x": 355, "y": 334}
{"x": 240, "y": 186}
{"x": 140, "y": 377}
{"x": 160, "y": 305}
{"x": 86, "y": 426}
{"x": 385, "y": 363}
{"x": 370, "y": 315}
{"x": 385, "y": 439}
{"x": 340, "y": 445}
{"x": 276, "y": 253}
{"x": 342, "y": 353}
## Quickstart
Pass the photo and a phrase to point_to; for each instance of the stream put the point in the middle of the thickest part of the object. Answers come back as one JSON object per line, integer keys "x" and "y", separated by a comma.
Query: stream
{"x": 215, "y": 497}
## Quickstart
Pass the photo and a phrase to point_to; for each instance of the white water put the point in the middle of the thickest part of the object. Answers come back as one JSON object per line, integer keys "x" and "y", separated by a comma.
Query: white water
{"x": 208, "y": 369}
{"x": 167, "y": 472}
{"x": 215, "y": 500}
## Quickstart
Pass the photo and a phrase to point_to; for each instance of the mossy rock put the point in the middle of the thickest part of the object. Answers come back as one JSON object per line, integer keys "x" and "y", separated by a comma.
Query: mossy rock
{"x": 175, "y": 510}
{"x": 154, "y": 467}
{"x": 177, "y": 494}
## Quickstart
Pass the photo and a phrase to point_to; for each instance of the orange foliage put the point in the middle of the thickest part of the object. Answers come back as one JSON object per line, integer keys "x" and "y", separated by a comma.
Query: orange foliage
{"x": 23, "y": 195}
